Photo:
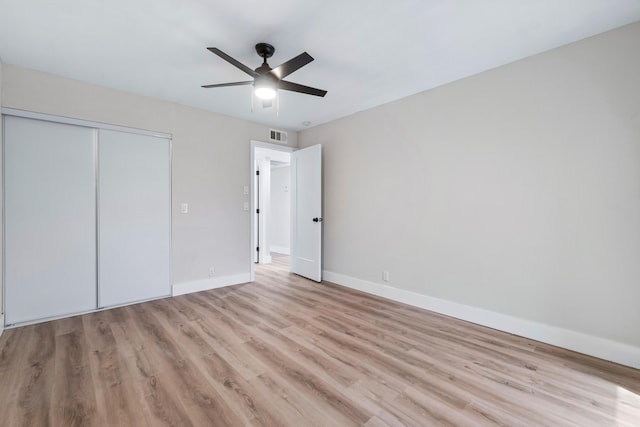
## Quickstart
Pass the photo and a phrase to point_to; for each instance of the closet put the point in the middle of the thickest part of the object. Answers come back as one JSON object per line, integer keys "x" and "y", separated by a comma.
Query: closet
{"x": 87, "y": 216}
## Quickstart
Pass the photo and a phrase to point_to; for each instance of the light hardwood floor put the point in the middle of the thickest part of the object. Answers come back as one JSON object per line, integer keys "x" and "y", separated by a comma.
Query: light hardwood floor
{"x": 284, "y": 351}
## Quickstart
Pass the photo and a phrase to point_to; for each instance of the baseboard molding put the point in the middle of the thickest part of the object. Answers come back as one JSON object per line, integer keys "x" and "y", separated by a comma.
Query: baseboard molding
{"x": 602, "y": 348}
{"x": 212, "y": 283}
{"x": 281, "y": 250}
{"x": 1, "y": 324}
{"x": 266, "y": 259}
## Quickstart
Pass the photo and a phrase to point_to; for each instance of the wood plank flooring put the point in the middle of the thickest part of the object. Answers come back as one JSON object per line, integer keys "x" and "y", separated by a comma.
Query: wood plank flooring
{"x": 284, "y": 351}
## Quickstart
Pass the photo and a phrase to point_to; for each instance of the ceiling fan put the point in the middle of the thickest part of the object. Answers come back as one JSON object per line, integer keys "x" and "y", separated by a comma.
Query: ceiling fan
{"x": 266, "y": 80}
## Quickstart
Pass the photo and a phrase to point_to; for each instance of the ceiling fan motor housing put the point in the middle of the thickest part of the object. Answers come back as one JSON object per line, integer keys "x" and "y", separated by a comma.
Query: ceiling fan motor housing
{"x": 265, "y": 50}
{"x": 265, "y": 79}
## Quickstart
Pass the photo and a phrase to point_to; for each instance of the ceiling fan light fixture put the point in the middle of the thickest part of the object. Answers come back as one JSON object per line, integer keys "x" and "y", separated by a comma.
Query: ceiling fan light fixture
{"x": 265, "y": 92}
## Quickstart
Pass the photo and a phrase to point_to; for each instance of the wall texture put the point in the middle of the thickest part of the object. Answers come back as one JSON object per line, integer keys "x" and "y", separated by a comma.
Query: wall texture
{"x": 210, "y": 163}
{"x": 515, "y": 191}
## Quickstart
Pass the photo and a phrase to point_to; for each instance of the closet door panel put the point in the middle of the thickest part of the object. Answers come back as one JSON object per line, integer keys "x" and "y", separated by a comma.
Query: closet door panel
{"x": 50, "y": 219}
{"x": 134, "y": 217}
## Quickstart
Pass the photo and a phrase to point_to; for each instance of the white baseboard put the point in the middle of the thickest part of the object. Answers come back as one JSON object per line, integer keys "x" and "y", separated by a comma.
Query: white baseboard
{"x": 602, "y": 348}
{"x": 212, "y": 283}
{"x": 281, "y": 250}
{"x": 265, "y": 259}
{"x": 1, "y": 324}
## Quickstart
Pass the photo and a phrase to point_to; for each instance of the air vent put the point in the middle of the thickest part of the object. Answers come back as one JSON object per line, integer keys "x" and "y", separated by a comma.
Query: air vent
{"x": 278, "y": 136}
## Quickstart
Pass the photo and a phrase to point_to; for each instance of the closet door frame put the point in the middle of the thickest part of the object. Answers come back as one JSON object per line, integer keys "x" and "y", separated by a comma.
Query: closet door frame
{"x": 96, "y": 126}
{"x": 79, "y": 122}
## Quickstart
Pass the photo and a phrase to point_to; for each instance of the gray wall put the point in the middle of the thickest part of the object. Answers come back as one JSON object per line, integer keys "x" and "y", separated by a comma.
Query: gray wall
{"x": 516, "y": 190}
{"x": 210, "y": 162}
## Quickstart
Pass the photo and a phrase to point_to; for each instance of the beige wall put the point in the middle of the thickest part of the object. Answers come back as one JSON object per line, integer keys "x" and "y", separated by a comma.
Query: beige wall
{"x": 210, "y": 163}
{"x": 515, "y": 191}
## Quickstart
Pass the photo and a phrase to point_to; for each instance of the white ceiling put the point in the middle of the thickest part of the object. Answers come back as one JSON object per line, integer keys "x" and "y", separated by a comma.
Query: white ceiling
{"x": 367, "y": 52}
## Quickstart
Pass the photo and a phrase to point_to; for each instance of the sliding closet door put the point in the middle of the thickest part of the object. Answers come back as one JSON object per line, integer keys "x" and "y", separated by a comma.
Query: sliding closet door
{"x": 134, "y": 217}
{"x": 50, "y": 219}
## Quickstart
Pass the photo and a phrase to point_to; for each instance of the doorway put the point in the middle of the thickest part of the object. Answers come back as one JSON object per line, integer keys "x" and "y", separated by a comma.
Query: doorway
{"x": 270, "y": 206}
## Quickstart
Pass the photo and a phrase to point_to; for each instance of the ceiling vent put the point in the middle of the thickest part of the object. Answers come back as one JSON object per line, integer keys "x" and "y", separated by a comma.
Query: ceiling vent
{"x": 278, "y": 136}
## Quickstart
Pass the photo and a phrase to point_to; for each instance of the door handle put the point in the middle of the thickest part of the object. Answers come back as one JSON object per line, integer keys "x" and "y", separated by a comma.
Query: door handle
{"x": 316, "y": 219}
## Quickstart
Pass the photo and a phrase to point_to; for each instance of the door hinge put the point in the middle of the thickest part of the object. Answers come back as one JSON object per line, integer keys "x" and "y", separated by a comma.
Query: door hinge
{"x": 257, "y": 211}
{"x": 257, "y": 172}
{"x": 257, "y": 248}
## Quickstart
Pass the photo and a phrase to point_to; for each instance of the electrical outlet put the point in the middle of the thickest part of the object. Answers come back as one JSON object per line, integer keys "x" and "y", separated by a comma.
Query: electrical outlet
{"x": 212, "y": 271}
{"x": 385, "y": 276}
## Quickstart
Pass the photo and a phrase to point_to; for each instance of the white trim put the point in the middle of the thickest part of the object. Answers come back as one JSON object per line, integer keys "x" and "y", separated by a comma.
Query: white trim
{"x": 265, "y": 259}
{"x": 212, "y": 283}
{"x": 280, "y": 250}
{"x": 79, "y": 122}
{"x": 1, "y": 324}
{"x": 602, "y": 348}
{"x": 284, "y": 165}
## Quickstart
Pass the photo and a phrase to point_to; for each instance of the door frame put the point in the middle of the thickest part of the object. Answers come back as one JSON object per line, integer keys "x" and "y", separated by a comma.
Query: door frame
{"x": 252, "y": 190}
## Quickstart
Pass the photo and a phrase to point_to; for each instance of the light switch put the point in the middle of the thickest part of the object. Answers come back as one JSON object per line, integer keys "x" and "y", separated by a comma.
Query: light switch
{"x": 184, "y": 208}
{"x": 246, "y": 206}
{"x": 246, "y": 190}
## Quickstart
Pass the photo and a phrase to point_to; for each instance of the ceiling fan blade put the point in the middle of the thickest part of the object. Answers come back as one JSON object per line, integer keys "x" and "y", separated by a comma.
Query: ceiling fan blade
{"x": 266, "y": 103}
{"x": 232, "y": 61}
{"x": 283, "y": 70}
{"x": 295, "y": 87}
{"x": 228, "y": 84}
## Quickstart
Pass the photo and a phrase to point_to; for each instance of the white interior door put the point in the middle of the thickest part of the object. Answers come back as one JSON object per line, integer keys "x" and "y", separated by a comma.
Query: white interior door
{"x": 134, "y": 218}
{"x": 306, "y": 212}
{"x": 50, "y": 219}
